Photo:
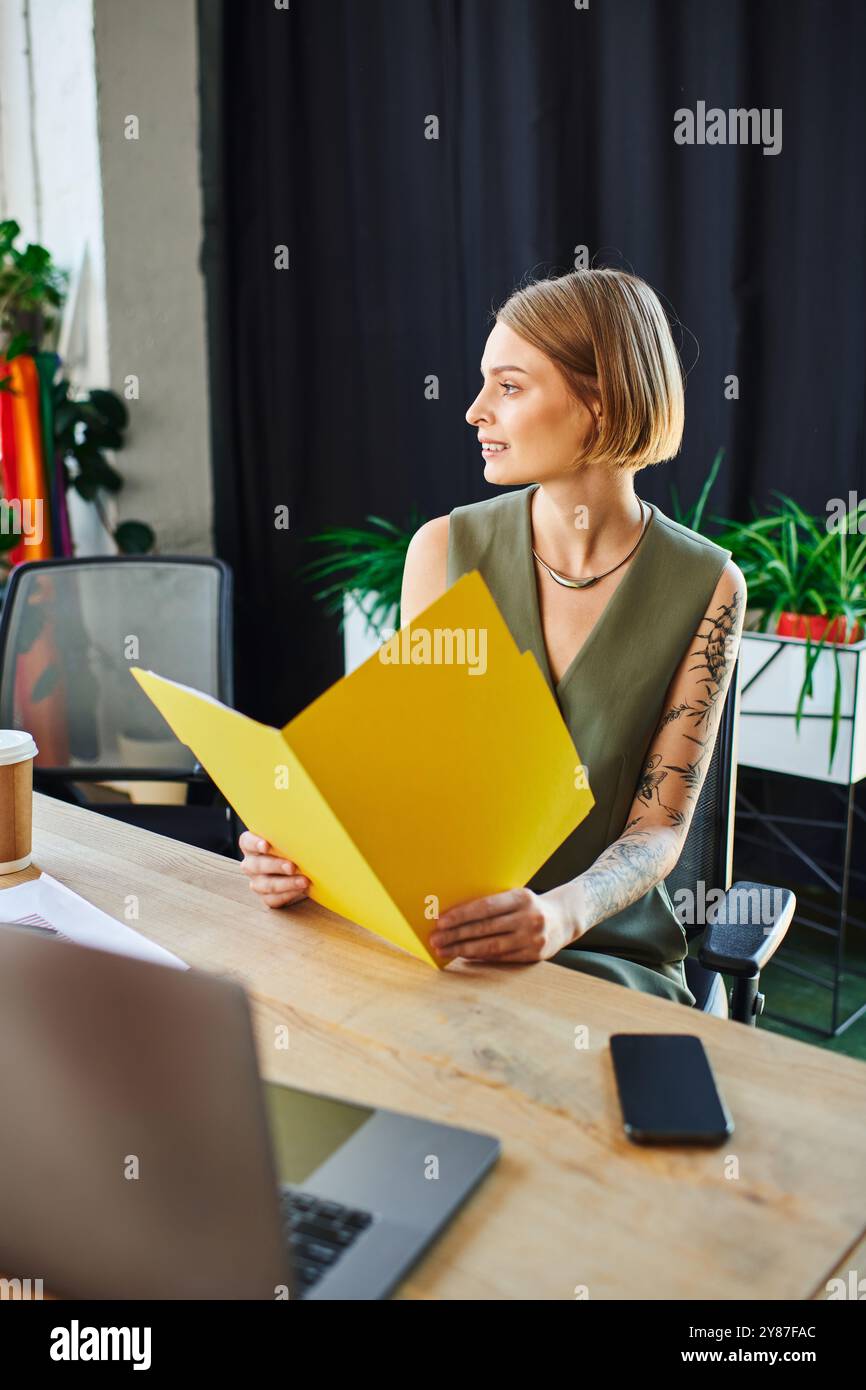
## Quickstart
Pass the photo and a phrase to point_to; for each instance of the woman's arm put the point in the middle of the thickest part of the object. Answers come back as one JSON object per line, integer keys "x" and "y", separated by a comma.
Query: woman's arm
{"x": 675, "y": 768}
{"x": 520, "y": 925}
{"x": 425, "y": 571}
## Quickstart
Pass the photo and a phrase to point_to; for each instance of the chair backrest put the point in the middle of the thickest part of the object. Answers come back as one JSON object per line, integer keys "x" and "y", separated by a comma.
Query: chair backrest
{"x": 705, "y": 863}
{"x": 71, "y": 629}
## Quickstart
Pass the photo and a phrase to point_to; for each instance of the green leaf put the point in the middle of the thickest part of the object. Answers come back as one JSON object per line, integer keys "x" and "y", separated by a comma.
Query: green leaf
{"x": 102, "y": 435}
{"x": 108, "y": 477}
{"x": 9, "y": 230}
{"x": 706, "y": 489}
{"x": 812, "y": 655}
{"x": 812, "y": 596}
{"x": 85, "y": 487}
{"x": 19, "y": 344}
{"x": 363, "y": 560}
{"x": 34, "y": 258}
{"x": 134, "y": 538}
{"x": 95, "y": 468}
{"x": 111, "y": 409}
{"x": 837, "y": 709}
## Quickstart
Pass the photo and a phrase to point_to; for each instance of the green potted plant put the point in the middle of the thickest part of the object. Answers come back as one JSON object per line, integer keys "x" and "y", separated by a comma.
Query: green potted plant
{"x": 85, "y": 425}
{"x": 363, "y": 568}
{"x": 32, "y": 292}
{"x": 805, "y": 582}
{"x": 32, "y": 289}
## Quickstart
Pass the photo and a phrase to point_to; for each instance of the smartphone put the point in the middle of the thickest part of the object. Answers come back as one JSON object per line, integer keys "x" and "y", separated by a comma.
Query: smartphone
{"x": 667, "y": 1090}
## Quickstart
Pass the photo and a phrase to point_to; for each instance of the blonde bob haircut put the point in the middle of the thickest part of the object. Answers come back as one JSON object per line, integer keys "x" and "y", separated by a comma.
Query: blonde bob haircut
{"x": 609, "y": 335}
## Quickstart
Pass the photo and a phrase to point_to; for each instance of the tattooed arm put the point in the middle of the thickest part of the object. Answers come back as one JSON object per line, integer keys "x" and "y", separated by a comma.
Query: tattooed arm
{"x": 674, "y": 772}
{"x": 523, "y": 926}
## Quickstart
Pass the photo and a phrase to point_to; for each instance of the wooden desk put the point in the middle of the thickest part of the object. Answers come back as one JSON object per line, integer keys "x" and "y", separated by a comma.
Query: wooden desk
{"x": 571, "y": 1203}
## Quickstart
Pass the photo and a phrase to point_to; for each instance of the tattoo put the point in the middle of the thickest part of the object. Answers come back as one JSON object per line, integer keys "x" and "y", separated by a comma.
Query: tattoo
{"x": 691, "y": 773}
{"x": 624, "y": 872}
{"x": 714, "y": 652}
{"x": 650, "y": 782}
{"x": 643, "y": 855}
{"x": 675, "y": 713}
{"x": 650, "y": 779}
{"x": 716, "y": 656}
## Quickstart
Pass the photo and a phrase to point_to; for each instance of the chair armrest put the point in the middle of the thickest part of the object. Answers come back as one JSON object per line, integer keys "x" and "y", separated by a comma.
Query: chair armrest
{"x": 746, "y": 928}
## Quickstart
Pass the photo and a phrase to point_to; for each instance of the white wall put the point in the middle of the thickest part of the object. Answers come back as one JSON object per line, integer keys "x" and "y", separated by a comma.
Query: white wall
{"x": 49, "y": 175}
{"x": 146, "y": 66}
{"x": 70, "y": 178}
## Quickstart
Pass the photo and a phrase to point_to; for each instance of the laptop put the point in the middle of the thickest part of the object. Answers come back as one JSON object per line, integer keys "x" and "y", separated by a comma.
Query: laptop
{"x": 142, "y": 1156}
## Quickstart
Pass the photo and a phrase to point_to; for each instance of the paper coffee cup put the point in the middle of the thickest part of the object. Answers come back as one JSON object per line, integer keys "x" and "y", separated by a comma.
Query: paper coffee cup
{"x": 17, "y": 751}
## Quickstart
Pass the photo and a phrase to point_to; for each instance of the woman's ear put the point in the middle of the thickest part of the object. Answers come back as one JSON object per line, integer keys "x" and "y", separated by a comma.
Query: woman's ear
{"x": 593, "y": 399}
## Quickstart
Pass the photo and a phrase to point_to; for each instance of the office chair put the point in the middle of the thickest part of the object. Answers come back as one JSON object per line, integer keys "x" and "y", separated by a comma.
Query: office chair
{"x": 69, "y": 632}
{"x": 741, "y": 933}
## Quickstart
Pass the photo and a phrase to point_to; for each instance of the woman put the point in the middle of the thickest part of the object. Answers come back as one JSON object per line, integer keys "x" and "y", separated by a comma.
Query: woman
{"x": 634, "y": 619}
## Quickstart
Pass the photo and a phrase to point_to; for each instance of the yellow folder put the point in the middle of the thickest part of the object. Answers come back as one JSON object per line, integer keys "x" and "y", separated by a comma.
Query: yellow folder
{"x": 438, "y": 771}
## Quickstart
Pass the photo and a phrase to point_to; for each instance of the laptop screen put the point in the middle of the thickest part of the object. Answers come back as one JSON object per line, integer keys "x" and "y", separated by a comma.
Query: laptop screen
{"x": 306, "y": 1129}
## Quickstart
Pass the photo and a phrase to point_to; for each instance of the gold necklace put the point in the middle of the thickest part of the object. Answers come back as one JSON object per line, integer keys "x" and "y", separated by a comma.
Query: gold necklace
{"x": 569, "y": 583}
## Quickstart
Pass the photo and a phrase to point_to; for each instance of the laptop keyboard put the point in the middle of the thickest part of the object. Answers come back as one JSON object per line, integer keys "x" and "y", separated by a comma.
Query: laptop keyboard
{"x": 317, "y": 1233}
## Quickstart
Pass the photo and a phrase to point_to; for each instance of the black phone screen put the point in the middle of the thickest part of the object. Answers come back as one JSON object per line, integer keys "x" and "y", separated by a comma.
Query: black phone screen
{"x": 667, "y": 1090}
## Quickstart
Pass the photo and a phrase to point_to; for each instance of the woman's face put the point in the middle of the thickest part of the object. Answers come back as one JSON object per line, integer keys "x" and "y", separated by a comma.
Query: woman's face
{"x": 525, "y": 405}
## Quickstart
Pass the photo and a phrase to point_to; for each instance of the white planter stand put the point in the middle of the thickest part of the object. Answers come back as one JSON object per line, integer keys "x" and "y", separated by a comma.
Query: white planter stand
{"x": 359, "y": 639}
{"x": 770, "y": 678}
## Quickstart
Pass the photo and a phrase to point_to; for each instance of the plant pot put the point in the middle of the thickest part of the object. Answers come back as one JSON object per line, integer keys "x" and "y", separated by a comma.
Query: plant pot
{"x": 771, "y": 672}
{"x": 815, "y": 626}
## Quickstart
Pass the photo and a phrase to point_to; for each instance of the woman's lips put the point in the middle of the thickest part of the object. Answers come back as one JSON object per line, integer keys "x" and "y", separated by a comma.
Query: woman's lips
{"x": 491, "y": 452}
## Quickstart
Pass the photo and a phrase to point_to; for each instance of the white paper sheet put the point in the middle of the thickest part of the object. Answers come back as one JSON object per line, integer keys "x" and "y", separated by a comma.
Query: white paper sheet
{"x": 50, "y": 908}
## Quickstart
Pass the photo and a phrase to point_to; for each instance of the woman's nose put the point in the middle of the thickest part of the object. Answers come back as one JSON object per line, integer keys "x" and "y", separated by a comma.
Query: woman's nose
{"x": 474, "y": 415}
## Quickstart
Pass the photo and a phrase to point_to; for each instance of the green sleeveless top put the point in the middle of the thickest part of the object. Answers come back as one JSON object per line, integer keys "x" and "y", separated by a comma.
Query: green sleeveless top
{"x": 611, "y": 698}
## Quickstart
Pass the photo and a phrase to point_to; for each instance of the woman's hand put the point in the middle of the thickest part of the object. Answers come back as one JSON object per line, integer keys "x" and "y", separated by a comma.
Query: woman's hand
{"x": 517, "y": 926}
{"x": 276, "y": 880}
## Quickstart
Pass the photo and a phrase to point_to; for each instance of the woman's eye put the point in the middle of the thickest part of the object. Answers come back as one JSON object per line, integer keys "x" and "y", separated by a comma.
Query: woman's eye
{"x": 508, "y": 386}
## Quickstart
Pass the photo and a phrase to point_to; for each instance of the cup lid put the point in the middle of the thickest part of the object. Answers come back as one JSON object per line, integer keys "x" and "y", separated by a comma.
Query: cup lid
{"x": 15, "y": 746}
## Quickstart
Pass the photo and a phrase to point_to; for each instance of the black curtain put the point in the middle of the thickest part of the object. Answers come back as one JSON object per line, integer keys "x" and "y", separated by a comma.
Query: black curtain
{"x": 555, "y": 130}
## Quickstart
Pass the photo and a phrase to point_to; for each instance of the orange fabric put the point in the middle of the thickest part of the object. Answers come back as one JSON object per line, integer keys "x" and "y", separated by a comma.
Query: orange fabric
{"x": 32, "y": 481}
{"x": 8, "y": 456}
{"x": 41, "y": 711}
{"x": 45, "y": 716}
